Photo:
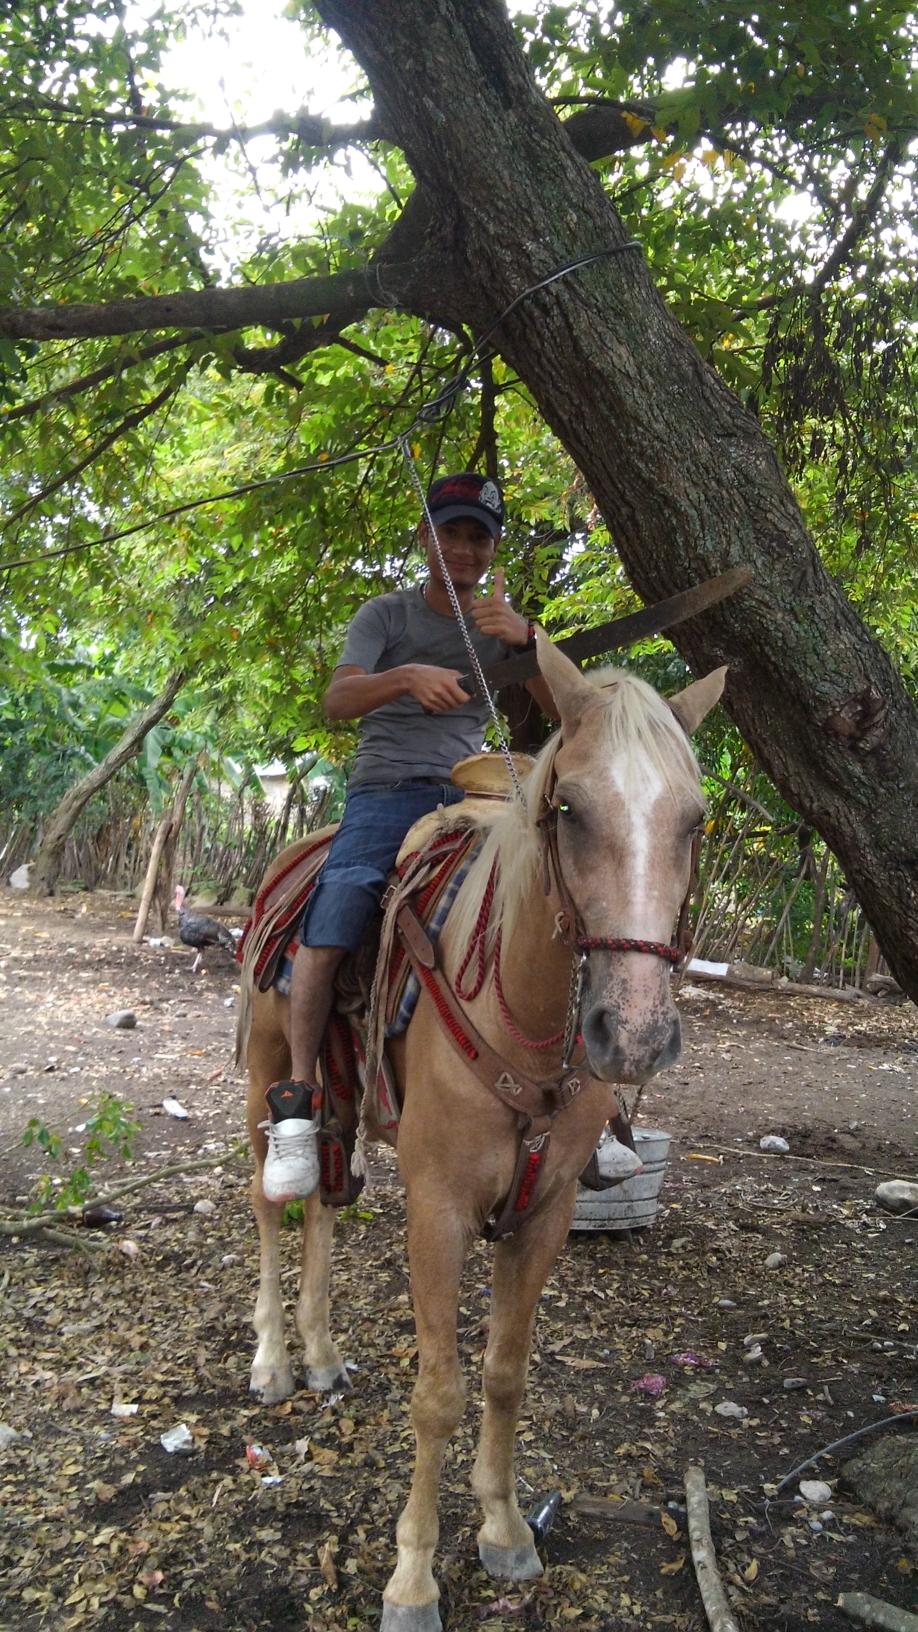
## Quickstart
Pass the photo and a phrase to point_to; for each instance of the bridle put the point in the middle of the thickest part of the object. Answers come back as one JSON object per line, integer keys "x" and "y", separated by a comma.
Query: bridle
{"x": 570, "y": 923}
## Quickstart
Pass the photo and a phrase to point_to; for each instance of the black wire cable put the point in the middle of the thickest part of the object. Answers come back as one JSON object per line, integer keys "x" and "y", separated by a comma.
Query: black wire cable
{"x": 438, "y": 408}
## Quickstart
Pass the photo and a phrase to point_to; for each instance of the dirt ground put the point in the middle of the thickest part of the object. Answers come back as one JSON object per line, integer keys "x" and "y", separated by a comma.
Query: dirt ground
{"x": 101, "y": 1527}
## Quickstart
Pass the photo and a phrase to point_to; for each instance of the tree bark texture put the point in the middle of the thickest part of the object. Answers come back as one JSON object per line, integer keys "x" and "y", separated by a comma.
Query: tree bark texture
{"x": 51, "y": 850}
{"x": 682, "y": 472}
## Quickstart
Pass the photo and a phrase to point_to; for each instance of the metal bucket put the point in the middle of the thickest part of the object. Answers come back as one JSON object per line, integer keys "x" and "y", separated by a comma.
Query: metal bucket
{"x": 632, "y": 1205}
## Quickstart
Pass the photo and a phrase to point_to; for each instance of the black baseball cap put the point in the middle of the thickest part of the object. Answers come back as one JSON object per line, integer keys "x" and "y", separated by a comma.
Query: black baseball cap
{"x": 467, "y": 495}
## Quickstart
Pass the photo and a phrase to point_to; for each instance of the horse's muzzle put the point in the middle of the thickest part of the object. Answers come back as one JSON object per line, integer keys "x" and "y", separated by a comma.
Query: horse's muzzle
{"x": 619, "y": 1052}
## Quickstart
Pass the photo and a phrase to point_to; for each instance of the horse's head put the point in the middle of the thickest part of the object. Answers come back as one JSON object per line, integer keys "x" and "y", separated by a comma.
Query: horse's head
{"x": 626, "y": 806}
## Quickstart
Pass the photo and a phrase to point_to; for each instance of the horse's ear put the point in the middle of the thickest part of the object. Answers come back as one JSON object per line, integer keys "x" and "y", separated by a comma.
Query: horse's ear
{"x": 571, "y": 690}
{"x": 691, "y": 705}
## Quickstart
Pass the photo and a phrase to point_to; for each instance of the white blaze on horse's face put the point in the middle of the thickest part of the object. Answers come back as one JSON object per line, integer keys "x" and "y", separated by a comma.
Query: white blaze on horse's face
{"x": 629, "y": 804}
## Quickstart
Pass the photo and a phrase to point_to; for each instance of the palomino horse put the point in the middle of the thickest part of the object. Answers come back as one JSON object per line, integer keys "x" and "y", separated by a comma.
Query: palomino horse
{"x": 617, "y": 789}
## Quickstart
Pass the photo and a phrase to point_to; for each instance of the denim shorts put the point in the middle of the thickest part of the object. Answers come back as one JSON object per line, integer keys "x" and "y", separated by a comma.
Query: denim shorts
{"x": 362, "y": 855}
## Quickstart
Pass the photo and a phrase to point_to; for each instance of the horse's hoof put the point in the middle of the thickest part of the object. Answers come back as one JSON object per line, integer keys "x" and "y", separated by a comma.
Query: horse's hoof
{"x": 510, "y": 1563}
{"x": 272, "y": 1386}
{"x": 410, "y": 1618}
{"x": 328, "y": 1380}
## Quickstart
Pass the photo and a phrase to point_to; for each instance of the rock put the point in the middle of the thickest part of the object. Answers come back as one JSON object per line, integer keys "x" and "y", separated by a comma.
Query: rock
{"x": 172, "y": 1107}
{"x": 19, "y": 880}
{"x": 878, "y": 985}
{"x": 9, "y": 1436}
{"x": 896, "y": 1195}
{"x": 885, "y": 1478}
{"x": 790, "y": 1383}
{"x": 774, "y": 1142}
{"x": 775, "y": 1260}
{"x": 205, "y": 1207}
{"x": 729, "y": 1408}
{"x": 122, "y": 1020}
{"x": 725, "y": 1303}
{"x": 815, "y": 1490}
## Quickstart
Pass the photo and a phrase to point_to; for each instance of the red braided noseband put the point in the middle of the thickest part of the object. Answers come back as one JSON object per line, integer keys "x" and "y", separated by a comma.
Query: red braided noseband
{"x": 624, "y": 943}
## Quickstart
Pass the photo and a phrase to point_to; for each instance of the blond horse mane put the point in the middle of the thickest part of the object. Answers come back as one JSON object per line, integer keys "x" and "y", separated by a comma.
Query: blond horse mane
{"x": 637, "y": 728}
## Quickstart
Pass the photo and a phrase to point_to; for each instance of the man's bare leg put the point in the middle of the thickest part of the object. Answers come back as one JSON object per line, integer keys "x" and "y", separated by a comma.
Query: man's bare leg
{"x": 310, "y": 1000}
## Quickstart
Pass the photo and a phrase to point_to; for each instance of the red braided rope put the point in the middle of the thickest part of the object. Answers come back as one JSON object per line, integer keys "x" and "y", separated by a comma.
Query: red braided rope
{"x": 509, "y": 1022}
{"x": 446, "y": 1014}
{"x": 625, "y": 943}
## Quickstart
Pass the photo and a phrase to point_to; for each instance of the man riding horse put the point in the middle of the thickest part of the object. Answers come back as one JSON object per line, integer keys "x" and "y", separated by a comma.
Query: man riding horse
{"x": 399, "y": 675}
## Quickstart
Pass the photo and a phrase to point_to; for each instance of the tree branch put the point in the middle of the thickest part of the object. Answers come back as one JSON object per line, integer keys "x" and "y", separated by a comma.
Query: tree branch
{"x": 265, "y": 305}
{"x": 129, "y": 423}
{"x": 309, "y": 128}
{"x": 105, "y": 371}
{"x": 43, "y": 1225}
{"x": 716, "y": 1607}
{"x": 861, "y": 219}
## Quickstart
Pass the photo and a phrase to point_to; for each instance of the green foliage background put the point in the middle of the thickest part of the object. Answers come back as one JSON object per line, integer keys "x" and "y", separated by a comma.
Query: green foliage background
{"x": 107, "y": 191}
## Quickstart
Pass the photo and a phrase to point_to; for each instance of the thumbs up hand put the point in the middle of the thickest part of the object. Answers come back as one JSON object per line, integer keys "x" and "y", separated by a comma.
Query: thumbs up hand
{"x": 495, "y": 616}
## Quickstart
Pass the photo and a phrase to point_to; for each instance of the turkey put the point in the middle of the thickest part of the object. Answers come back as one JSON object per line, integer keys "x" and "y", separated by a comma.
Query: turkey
{"x": 199, "y": 931}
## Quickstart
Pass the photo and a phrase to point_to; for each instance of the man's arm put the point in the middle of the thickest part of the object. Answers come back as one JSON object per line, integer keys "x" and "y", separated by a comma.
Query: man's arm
{"x": 353, "y": 692}
{"x": 495, "y": 616}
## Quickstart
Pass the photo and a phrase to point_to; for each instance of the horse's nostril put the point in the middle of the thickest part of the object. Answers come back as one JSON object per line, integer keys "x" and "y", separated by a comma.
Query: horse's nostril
{"x": 600, "y": 1034}
{"x": 621, "y": 1057}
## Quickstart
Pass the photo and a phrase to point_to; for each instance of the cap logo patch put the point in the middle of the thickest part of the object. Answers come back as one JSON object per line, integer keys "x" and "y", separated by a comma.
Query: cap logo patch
{"x": 490, "y": 497}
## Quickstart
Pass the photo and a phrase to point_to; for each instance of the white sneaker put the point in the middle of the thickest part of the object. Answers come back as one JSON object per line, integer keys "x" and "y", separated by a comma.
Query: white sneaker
{"x": 291, "y": 1169}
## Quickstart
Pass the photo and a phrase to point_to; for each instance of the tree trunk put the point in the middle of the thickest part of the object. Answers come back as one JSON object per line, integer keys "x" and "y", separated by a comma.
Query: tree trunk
{"x": 164, "y": 886}
{"x": 683, "y": 475}
{"x": 158, "y": 880}
{"x": 819, "y": 912}
{"x": 50, "y": 855}
{"x": 152, "y": 873}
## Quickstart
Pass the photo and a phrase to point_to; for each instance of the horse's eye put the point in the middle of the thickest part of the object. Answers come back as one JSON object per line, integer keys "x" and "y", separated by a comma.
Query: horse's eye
{"x": 565, "y": 808}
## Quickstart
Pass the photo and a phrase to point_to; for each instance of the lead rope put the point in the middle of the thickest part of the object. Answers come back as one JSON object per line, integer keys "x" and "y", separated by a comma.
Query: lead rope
{"x": 460, "y": 619}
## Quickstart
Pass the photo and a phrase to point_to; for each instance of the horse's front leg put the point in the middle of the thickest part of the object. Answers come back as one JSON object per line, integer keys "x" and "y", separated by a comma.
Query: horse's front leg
{"x": 268, "y": 1059}
{"x": 325, "y": 1368}
{"x": 271, "y": 1376}
{"x": 521, "y": 1266}
{"x": 437, "y": 1244}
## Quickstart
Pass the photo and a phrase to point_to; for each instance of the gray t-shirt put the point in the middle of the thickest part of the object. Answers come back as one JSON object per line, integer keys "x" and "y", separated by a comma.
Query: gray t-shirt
{"x": 399, "y": 740}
